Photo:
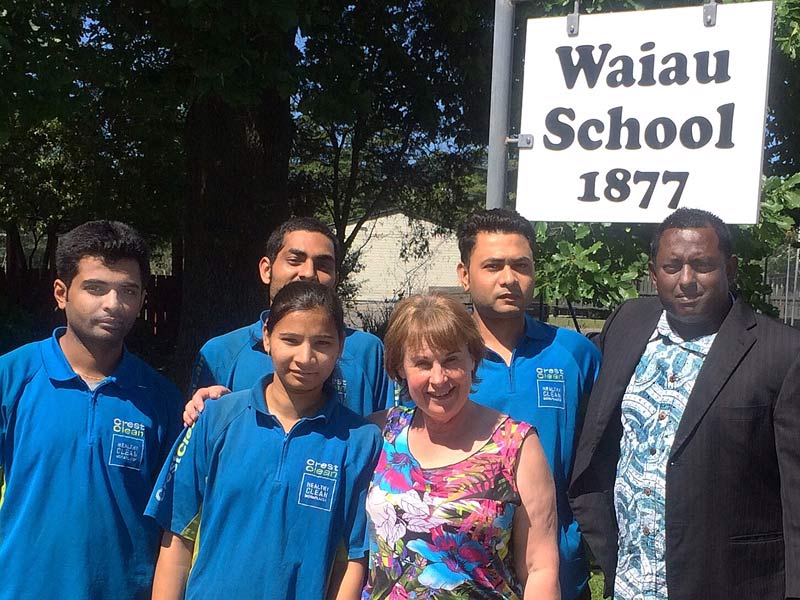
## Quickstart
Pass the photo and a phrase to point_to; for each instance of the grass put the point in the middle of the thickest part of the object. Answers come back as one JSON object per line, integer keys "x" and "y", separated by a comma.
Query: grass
{"x": 585, "y": 324}
{"x": 596, "y": 585}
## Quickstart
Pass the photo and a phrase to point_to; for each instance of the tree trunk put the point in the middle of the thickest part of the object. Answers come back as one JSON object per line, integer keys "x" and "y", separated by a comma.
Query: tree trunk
{"x": 15, "y": 264}
{"x": 238, "y": 165}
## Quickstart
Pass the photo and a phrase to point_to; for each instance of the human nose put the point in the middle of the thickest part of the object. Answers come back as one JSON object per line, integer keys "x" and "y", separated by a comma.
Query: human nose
{"x": 507, "y": 276}
{"x": 687, "y": 277}
{"x": 307, "y": 271}
{"x": 305, "y": 354}
{"x": 112, "y": 300}
{"x": 438, "y": 374}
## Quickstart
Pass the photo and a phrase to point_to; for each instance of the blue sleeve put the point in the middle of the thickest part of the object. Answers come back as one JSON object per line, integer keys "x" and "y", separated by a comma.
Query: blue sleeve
{"x": 173, "y": 424}
{"x": 201, "y": 373}
{"x": 592, "y": 369}
{"x": 178, "y": 494}
{"x": 356, "y": 530}
{"x": 382, "y": 386}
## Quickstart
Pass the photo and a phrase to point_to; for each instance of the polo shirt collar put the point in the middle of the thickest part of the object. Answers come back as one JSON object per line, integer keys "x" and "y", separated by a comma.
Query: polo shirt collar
{"x": 534, "y": 329}
{"x": 258, "y": 402}
{"x": 59, "y": 369}
{"x": 256, "y": 332}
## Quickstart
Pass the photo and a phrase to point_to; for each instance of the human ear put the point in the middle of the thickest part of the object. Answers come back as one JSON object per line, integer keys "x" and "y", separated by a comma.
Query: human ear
{"x": 60, "y": 293}
{"x": 265, "y": 270}
{"x": 463, "y": 276}
{"x": 265, "y": 338}
{"x": 732, "y": 269}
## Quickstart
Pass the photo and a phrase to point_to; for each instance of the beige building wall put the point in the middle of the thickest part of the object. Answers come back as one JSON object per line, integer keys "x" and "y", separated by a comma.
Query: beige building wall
{"x": 386, "y": 275}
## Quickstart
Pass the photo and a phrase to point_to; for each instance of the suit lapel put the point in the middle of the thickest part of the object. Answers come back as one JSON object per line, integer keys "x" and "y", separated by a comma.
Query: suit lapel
{"x": 733, "y": 341}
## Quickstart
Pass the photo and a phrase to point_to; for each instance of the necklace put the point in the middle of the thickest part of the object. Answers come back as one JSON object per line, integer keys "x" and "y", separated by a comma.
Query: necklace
{"x": 90, "y": 377}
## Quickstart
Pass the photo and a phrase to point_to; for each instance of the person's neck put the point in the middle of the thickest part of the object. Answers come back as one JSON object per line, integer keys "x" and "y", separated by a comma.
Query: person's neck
{"x": 288, "y": 407}
{"x": 454, "y": 433}
{"x": 92, "y": 361}
{"x": 500, "y": 334}
{"x": 691, "y": 331}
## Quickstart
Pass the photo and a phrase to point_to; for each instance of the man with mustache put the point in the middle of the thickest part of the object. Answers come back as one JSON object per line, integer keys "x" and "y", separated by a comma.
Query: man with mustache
{"x": 532, "y": 371}
{"x": 84, "y": 429}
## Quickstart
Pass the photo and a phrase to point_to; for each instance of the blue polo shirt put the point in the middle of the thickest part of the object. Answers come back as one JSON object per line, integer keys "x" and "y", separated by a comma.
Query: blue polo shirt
{"x": 77, "y": 470}
{"x": 551, "y": 370}
{"x": 275, "y": 505}
{"x": 237, "y": 360}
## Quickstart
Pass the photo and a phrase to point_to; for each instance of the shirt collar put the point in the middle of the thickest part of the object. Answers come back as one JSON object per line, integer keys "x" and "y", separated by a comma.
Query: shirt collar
{"x": 59, "y": 369}
{"x": 257, "y": 331}
{"x": 534, "y": 329}
{"x": 663, "y": 330}
{"x": 257, "y": 401}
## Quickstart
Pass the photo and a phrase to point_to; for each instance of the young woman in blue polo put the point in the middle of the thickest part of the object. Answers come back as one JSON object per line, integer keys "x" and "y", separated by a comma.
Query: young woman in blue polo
{"x": 267, "y": 489}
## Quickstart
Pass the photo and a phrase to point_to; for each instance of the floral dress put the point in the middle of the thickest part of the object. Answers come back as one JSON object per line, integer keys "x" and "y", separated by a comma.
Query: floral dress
{"x": 443, "y": 533}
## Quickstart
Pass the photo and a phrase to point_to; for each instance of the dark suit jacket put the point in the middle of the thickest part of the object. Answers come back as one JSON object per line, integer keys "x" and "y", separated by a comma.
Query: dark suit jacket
{"x": 733, "y": 477}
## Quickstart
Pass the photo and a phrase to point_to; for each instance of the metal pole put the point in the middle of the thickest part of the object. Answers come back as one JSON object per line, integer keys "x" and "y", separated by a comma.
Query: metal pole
{"x": 501, "y": 92}
{"x": 794, "y": 291}
{"x": 786, "y": 289}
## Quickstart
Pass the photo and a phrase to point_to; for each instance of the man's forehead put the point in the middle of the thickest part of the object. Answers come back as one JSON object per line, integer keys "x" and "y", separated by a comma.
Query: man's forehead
{"x": 690, "y": 239}
{"x": 502, "y": 244}
{"x": 307, "y": 242}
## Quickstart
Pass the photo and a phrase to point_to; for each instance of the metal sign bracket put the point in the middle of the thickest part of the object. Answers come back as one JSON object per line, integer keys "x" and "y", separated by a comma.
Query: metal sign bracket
{"x": 574, "y": 20}
{"x": 522, "y": 141}
{"x": 710, "y": 13}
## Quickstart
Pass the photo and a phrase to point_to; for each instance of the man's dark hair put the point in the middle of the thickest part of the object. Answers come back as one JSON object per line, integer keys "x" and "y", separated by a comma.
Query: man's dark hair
{"x": 496, "y": 220}
{"x": 111, "y": 241}
{"x": 694, "y": 218}
{"x": 276, "y": 238}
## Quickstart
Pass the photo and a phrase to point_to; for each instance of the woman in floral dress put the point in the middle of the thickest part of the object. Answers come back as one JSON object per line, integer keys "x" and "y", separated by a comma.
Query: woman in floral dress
{"x": 462, "y": 502}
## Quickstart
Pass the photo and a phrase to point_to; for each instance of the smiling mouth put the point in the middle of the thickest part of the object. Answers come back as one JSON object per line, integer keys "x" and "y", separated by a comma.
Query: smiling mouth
{"x": 440, "y": 394}
{"x": 302, "y": 374}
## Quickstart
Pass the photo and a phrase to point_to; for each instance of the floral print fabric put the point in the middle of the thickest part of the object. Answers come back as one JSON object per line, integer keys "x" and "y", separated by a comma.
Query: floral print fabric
{"x": 443, "y": 533}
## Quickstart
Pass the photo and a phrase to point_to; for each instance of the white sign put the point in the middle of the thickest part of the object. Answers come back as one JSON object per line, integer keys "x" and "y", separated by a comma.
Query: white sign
{"x": 644, "y": 112}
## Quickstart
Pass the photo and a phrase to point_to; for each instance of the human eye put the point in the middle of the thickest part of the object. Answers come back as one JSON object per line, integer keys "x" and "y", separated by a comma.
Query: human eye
{"x": 704, "y": 266}
{"x": 523, "y": 266}
{"x": 96, "y": 289}
{"x": 290, "y": 340}
{"x": 325, "y": 265}
{"x": 671, "y": 268}
{"x": 492, "y": 266}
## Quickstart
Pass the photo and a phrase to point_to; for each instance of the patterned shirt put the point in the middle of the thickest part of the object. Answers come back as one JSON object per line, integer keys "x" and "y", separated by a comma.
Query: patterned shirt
{"x": 444, "y": 533}
{"x": 652, "y": 408}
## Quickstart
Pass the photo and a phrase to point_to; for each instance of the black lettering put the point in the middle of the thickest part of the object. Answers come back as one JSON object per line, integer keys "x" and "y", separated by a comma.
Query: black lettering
{"x": 687, "y": 132}
{"x": 615, "y": 131}
{"x": 648, "y": 62}
{"x": 725, "y": 126}
{"x": 586, "y": 63}
{"x": 677, "y": 72}
{"x": 622, "y": 76}
{"x": 720, "y": 71}
{"x": 583, "y": 134}
{"x": 651, "y": 133}
{"x": 564, "y": 132}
